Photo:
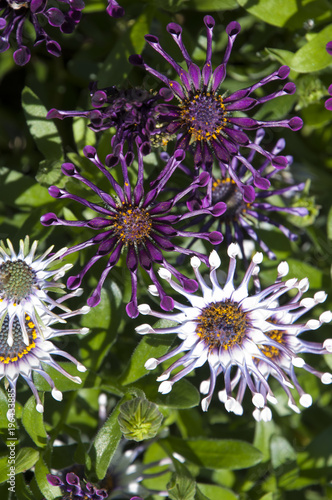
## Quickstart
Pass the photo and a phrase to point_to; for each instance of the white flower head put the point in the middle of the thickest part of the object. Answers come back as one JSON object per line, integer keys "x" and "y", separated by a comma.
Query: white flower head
{"x": 25, "y": 281}
{"x": 26, "y": 325}
{"x": 246, "y": 337}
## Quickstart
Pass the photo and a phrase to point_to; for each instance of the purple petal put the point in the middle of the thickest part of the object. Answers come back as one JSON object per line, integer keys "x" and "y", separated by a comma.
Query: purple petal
{"x": 55, "y": 17}
{"x": 22, "y": 56}
{"x": 37, "y": 6}
{"x": 295, "y": 123}
{"x": 195, "y": 75}
{"x": 261, "y": 182}
{"x": 209, "y": 22}
{"x": 279, "y": 162}
{"x": 72, "y": 479}
{"x": 215, "y": 237}
{"x": 174, "y": 29}
{"x": 167, "y": 303}
{"x": 233, "y": 28}
{"x": 218, "y": 209}
{"x": 242, "y": 104}
{"x": 131, "y": 310}
{"x": 68, "y": 169}
{"x": 177, "y": 89}
{"x": 328, "y": 104}
{"x": 283, "y": 72}
{"x": 48, "y": 219}
{"x": 218, "y": 76}
{"x": 54, "y": 480}
{"x": 53, "y": 48}
{"x": 166, "y": 94}
{"x": 329, "y": 47}
{"x": 98, "y": 99}
{"x": 54, "y": 113}
{"x": 249, "y": 194}
{"x": 74, "y": 282}
{"x": 89, "y": 152}
{"x": 55, "y": 192}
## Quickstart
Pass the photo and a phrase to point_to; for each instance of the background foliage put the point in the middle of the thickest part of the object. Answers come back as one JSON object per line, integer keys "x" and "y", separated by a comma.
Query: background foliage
{"x": 227, "y": 456}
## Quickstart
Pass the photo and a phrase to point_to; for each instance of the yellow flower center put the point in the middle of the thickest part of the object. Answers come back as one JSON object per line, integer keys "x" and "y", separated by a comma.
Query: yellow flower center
{"x": 204, "y": 115}
{"x": 222, "y": 324}
{"x": 10, "y": 354}
{"x": 132, "y": 224}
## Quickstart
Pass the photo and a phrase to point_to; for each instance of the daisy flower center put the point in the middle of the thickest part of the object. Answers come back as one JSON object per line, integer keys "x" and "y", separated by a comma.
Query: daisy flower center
{"x": 227, "y": 191}
{"x": 222, "y": 324}
{"x": 270, "y": 350}
{"x": 204, "y": 114}
{"x": 132, "y": 224}
{"x": 16, "y": 280}
{"x": 19, "y": 348}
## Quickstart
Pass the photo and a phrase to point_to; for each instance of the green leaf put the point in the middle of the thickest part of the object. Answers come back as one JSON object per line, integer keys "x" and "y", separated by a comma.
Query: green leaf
{"x": 313, "y": 56}
{"x": 50, "y": 492}
{"x": 25, "y": 458}
{"x": 281, "y": 451}
{"x": 280, "y": 55}
{"x": 106, "y": 443}
{"x": 49, "y": 173}
{"x": 116, "y": 66}
{"x": 329, "y": 224}
{"x": 141, "y": 28}
{"x": 103, "y": 320}
{"x": 19, "y": 189}
{"x": 276, "y": 12}
{"x": 33, "y": 423}
{"x": 209, "y": 5}
{"x": 183, "y": 394}
{"x": 214, "y": 492}
{"x": 3, "y": 410}
{"x": 288, "y": 13}
{"x": 42, "y": 130}
{"x": 151, "y": 346}
{"x": 181, "y": 487}
{"x": 61, "y": 382}
{"x": 216, "y": 454}
{"x": 302, "y": 270}
{"x": 22, "y": 490}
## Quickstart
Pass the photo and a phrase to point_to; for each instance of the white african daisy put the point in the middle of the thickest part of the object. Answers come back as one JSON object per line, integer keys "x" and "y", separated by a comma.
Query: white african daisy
{"x": 245, "y": 337}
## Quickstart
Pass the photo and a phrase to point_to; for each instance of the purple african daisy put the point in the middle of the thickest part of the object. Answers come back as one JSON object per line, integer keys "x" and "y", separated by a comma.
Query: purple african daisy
{"x": 206, "y": 118}
{"x": 114, "y": 9}
{"x": 128, "y": 218}
{"x": 229, "y": 328}
{"x": 123, "y": 478}
{"x": 244, "y": 205}
{"x": 134, "y": 114}
{"x": 14, "y": 14}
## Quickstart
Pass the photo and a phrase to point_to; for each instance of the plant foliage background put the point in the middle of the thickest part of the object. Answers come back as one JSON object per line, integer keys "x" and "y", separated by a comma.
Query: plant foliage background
{"x": 226, "y": 456}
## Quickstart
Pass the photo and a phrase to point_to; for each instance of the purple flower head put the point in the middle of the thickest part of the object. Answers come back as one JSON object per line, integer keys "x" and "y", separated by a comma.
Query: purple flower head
{"x": 123, "y": 478}
{"x": 203, "y": 116}
{"x": 114, "y": 9}
{"x": 14, "y": 14}
{"x": 73, "y": 485}
{"x": 133, "y": 220}
{"x": 134, "y": 113}
{"x": 244, "y": 204}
